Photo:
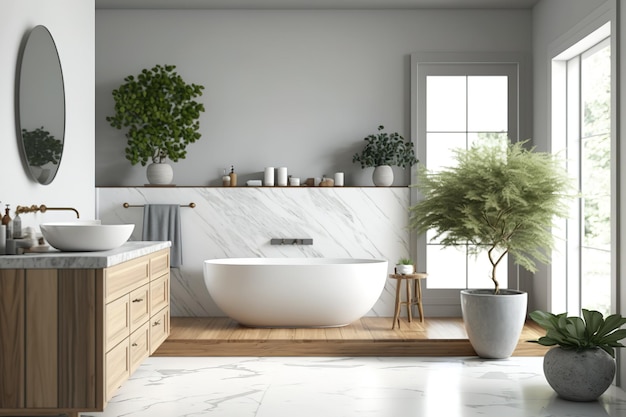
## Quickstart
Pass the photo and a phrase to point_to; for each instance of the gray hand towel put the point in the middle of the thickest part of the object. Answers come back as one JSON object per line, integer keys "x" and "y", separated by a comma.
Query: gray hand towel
{"x": 161, "y": 222}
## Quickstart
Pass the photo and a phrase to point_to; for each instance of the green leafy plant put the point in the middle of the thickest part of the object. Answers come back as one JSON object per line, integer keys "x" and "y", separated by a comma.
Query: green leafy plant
{"x": 41, "y": 147}
{"x": 500, "y": 197}
{"x": 590, "y": 332}
{"x": 405, "y": 261}
{"x": 158, "y": 109}
{"x": 386, "y": 149}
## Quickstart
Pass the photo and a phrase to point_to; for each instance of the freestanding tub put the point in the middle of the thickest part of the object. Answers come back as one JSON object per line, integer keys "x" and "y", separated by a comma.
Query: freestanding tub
{"x": 303, "y": 292}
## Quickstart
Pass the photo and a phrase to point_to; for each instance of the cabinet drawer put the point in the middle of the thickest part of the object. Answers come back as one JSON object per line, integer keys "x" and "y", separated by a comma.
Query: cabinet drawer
{"x": 123, "y": 278}
{"x": 117, "y": 366}
{"x": 159, "y": 293}
{"x": 117, "y": 321}
{"x": 139, "y": 307}
{"x": 159, "y": 328}
{"x": 139, "y": 346}
{"x": 159, "y": 263}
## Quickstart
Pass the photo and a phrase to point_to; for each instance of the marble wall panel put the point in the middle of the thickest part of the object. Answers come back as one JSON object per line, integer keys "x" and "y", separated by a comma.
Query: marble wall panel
{"x": 240, "y": 222}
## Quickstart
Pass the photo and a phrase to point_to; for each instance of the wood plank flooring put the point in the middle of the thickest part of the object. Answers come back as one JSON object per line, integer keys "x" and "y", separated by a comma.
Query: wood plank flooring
{"x": 370, "y": 336}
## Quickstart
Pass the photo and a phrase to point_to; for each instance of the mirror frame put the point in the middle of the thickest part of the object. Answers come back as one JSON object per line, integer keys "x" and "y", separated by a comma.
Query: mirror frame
{"x": 40, "y": 162}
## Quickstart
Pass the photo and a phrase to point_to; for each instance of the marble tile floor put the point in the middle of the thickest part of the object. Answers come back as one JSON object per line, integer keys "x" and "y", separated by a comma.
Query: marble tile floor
{"x": 347, "y": 387}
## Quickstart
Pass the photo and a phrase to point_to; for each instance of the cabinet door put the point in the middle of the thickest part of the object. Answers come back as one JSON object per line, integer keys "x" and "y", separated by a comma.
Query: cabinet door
{"x": 139, "y": 346}
{"x": 117, "y": 367}
{"x": 117, "y": 321}
{"x": 139, "y": 307}
{"x": 159, "y": 328}
{"x": 159, "y": 293}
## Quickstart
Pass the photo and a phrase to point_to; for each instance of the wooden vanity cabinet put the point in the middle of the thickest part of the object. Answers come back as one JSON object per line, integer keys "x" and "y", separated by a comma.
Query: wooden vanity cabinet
{"x": 70, "y": 337}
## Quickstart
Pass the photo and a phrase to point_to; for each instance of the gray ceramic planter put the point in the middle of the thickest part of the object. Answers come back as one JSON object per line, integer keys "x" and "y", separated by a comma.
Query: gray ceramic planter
{"x": 494, "y": 322}
{"x": 579, "y": 375}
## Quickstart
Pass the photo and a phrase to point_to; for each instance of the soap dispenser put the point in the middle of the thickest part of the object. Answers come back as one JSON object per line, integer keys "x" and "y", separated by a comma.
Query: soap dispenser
{"x": 17, "y": 226}
{"x": 6, "y": 221}
{"x": 233, "y": 177}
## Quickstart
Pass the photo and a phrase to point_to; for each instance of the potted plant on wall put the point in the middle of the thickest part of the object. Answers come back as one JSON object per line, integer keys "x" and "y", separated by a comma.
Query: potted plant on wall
{"x": 581, "y": 366}
{"x": 161, "y": 115}
{"x": 500, "y": 199}
{"x": 382, "y": 151}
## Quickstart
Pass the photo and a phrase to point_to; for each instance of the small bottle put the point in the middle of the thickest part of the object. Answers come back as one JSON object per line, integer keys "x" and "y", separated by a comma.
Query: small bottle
{"x": 6, "y": 221}
{"x": 233, "y": 177}
{"x": 17, "y": 226}
{"x": 225, "y": 179}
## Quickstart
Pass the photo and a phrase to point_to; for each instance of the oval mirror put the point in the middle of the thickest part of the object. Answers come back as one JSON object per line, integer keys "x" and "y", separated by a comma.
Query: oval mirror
{"x": 41, "y": 105}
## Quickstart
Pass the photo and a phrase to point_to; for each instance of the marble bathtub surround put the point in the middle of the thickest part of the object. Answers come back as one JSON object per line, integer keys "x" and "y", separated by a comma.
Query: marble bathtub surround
{"x": 240, "y": 223}
{"x": 348, "y": 387}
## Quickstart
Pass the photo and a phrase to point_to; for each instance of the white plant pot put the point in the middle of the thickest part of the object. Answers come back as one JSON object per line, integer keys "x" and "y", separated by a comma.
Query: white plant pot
{"x": 383, "y": 176}
{"x": 160, "y": 173}
{"x": 404, "y": 269}
{"x": 579, "y": 375}
{"x": 494, "y": 322}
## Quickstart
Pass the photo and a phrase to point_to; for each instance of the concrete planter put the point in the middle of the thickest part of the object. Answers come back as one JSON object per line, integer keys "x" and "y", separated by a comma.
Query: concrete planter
{"x": 159, "y": 174}
{"x": 383, "y": 176}
{"x": 579, "y": 375}
{"x": 494, "y": 322}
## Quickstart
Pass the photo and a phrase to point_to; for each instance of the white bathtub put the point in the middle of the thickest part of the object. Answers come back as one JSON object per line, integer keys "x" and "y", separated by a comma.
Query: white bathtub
{"x": 303, "y": 292}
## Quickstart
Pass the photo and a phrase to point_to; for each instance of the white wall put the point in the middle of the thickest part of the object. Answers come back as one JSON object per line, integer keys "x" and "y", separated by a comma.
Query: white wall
{"x": 284, "y": 87}
{"x": 553, "y": 22}
{"x": 71, "y": 23}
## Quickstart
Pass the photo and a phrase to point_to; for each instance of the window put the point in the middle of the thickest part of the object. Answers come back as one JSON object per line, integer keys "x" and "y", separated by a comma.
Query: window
{"x": 457, "y": 102}
{"x": 582, "y": 128}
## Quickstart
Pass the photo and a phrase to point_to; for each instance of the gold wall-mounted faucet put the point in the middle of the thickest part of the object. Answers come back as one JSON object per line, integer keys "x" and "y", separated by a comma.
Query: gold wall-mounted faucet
{"x": 43, "y": 208}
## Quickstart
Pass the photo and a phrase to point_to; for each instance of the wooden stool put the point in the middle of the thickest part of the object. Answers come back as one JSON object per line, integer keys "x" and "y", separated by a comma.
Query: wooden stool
{"x": 416, "y": 278}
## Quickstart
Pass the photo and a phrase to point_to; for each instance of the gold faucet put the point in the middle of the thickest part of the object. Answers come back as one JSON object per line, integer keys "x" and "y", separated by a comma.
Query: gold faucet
{"x": 43, "y": 208}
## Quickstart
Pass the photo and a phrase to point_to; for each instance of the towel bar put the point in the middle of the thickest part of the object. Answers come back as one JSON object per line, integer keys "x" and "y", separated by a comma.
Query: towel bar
{"x": 126, "y": 205}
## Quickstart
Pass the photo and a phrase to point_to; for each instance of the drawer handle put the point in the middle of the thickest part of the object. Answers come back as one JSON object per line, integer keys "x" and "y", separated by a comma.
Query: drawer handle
{"x": 134, "y": 345}
{"x": 156, "y": 323}
{"x": 137, "y": 300}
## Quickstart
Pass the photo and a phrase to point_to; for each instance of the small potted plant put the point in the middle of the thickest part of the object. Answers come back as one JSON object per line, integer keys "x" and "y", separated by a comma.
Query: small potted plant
{"x": 499, "y": 199}
{"x": 581, "y": 366}
{"x": 161, "y": 115}
{"x": 382, "y": 151}
{"x": 405, "y": 266}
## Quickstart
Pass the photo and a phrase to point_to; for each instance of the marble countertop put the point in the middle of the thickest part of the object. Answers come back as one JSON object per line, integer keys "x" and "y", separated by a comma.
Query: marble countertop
{"x": 81, "y": 260}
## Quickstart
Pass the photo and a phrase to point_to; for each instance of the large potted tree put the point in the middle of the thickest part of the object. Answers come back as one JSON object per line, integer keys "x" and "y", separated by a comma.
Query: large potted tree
{"x": 161, "y": 115}
{"x": 500, "y": 199}
{"x": 382, "y": 151}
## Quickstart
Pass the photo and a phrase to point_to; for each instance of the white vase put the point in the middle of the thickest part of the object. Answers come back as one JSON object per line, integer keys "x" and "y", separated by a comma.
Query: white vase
{"x": 494, "y": 323}
{"x": 382, "y": 176}
{"x": 160, "y": 173}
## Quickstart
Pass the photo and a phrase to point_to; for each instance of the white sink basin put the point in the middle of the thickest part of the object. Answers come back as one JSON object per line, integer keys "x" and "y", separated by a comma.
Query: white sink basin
{"x": 86, "y": 236}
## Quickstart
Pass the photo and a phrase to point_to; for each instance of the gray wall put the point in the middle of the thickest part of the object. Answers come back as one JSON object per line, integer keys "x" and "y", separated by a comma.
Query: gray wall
{"x": 284, "y": 88}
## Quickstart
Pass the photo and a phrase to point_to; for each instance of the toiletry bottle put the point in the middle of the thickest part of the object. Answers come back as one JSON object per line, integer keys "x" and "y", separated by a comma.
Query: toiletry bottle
{"x": 17, "y": 226}
{"x": 6, "y": 220}
{"x": 233, "y": 177}
{"x": 225, "y": 179}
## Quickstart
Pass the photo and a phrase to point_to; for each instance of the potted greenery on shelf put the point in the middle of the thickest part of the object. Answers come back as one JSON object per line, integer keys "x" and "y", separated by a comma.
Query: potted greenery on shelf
{"x": 382, "y": 151}
{"x": 500, "y": 199}
{"x": 161, "y": 115}
{"x": 582, "y": 365}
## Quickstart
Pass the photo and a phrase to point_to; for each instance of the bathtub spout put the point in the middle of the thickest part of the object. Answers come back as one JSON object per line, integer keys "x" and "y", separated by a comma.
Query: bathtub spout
{"x": 291, "y": 241}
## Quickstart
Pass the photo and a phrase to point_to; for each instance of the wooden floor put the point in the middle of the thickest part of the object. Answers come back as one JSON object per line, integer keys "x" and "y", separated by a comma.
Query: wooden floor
{"x": 370, "y": 336}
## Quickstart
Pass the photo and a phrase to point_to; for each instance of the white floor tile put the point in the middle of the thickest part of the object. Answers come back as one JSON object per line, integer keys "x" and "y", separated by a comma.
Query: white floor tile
{"x": 348, "y": 387}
